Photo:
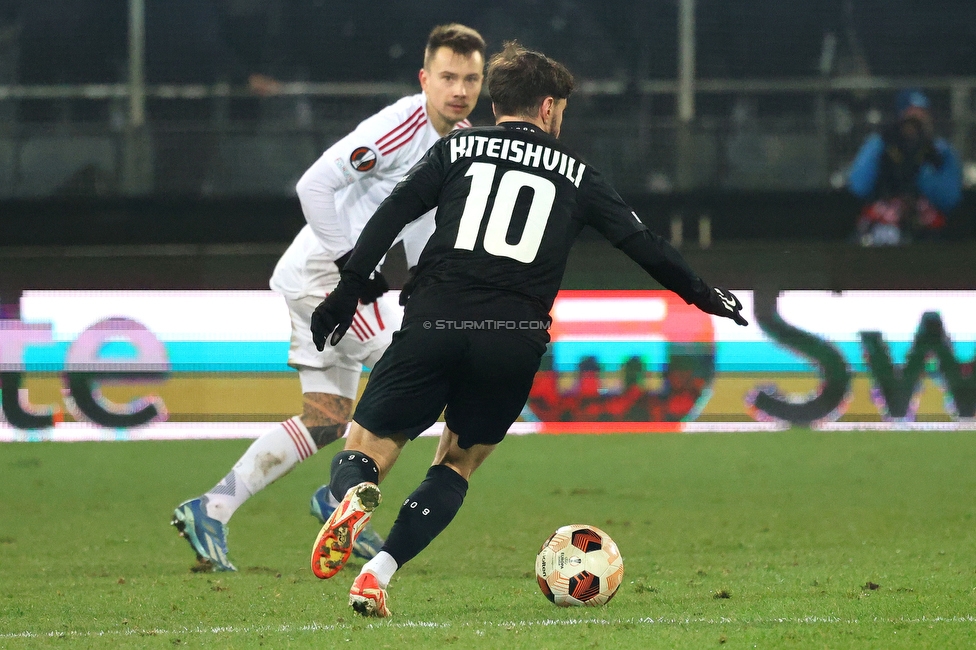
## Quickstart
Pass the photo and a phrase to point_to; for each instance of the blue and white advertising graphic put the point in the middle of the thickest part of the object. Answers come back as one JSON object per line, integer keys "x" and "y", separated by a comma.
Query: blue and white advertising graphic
{"x": 201, "y": 331}
{"x": 618, "y": 361}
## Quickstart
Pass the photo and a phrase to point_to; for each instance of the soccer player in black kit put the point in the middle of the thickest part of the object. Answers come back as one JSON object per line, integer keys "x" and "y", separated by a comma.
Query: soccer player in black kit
{"x": 510, "y": 201}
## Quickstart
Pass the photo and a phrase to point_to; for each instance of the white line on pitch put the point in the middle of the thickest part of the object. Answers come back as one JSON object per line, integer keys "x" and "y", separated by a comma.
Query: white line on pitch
{"x": 665, "y": 621}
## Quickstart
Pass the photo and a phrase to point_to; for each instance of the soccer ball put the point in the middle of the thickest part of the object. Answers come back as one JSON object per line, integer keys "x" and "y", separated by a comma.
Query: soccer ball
{"x": 579, "y": 565}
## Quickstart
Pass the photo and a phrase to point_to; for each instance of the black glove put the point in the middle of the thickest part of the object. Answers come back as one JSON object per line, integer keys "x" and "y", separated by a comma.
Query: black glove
{"x": 375, "y": 287}
{"x": 722, "y": 302}
{"x": 334, "y": 314}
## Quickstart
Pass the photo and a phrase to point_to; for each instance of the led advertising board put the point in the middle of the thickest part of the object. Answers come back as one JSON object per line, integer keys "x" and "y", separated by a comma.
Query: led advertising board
{"x": 131, "y": 364}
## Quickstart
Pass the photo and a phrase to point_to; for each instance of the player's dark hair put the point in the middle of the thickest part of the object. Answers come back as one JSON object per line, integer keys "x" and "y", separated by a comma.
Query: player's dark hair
{"x": 460, "y": 38}
{"x": 520, "y": 79}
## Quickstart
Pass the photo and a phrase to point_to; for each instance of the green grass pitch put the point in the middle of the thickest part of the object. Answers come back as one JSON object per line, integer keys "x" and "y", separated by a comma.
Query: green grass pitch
{"x": 790, "y": 539}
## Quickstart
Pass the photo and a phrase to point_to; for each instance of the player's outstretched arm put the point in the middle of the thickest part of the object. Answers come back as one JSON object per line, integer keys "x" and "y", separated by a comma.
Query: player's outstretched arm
{"x": 666, "y": 265}
{"x": 413, "y": 197}
{"x": 606, "y": 211}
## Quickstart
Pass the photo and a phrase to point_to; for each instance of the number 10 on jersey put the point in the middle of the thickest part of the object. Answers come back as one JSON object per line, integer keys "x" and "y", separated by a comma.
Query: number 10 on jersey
{"x": 511, "y": 183}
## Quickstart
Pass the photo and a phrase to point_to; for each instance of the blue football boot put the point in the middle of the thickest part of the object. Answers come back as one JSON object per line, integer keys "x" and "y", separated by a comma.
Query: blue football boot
{"x": 367, "y": 544}
{"x": 206, "y": 535}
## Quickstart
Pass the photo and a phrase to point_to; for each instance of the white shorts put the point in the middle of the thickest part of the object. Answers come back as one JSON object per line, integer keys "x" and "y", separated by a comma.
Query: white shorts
{"x": 336, "y": 370}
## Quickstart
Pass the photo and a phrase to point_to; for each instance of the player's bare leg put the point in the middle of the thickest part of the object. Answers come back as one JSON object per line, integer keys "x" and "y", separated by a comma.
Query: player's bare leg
{"x": 423, "y": 516}
{"x": 325, "y": 416}
{"x": 383, "y": 451}
{"x": 356, "y": 474}
{"x": 462, "y": 461}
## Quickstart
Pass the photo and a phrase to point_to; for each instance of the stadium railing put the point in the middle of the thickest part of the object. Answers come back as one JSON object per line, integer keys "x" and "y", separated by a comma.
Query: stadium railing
{"x": 748, "y": 135}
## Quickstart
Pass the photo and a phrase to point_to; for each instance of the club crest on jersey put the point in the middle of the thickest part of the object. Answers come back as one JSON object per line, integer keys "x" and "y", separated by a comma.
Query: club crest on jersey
{"x": 362, "y": 159}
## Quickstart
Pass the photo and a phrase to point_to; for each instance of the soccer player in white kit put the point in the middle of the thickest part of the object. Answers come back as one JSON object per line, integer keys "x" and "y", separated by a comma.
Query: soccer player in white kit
{"x": 338, "y": 194}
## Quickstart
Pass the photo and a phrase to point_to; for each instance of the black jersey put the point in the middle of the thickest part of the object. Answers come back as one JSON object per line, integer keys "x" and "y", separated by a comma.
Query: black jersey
{"x": 510, "y": 199}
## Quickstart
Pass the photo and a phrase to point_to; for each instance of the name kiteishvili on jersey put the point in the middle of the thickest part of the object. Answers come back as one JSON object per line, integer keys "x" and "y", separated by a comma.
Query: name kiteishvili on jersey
{"x": 518, "y": 152}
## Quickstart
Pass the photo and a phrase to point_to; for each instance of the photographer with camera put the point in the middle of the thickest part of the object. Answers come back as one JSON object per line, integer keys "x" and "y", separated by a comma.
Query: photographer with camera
{"x": 909, "y": 179}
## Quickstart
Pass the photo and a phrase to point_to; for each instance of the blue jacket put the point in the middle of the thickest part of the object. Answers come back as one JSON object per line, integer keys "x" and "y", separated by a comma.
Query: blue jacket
{"x": 942, "y": 186}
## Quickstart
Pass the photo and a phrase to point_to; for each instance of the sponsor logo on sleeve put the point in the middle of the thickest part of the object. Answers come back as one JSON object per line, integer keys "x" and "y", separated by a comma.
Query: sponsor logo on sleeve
{"x": 344, "y": 168}
{"x": 362, "y": 159}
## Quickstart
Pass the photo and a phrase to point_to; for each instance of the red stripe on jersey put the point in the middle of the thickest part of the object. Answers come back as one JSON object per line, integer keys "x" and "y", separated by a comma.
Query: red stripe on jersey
{"x": 403, "y": 138}
{"x": 391, "y": 148}
{"x": 379, "y": 319}
{"x": 364, "y": 324}
{"x": 403, "y": 126}
{"x": 301, "y": 444}
{"x": 463, "y": 124}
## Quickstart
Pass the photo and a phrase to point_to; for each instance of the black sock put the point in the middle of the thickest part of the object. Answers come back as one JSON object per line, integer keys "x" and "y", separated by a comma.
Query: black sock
{"x": 349, "y": 469}
{"x": 426, "y": 513}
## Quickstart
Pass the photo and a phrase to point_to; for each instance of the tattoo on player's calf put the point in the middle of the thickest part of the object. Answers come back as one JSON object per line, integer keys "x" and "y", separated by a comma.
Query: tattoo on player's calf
{"x": 325, "y": 416}
{"x": 322, "y": 408}
{"x": 323, "y": 435}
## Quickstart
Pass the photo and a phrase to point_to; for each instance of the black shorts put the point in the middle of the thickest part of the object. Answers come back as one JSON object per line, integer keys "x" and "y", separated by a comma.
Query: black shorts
{"x": 482, "y": 377}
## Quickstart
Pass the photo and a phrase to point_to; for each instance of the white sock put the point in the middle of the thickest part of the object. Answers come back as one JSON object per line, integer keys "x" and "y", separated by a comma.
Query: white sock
{"x": 383, "y": 566}
{"x": 268, "y": 458}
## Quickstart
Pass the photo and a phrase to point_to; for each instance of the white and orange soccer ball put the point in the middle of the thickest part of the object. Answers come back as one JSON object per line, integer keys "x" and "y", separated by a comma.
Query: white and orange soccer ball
{"x": 579, "y": 565}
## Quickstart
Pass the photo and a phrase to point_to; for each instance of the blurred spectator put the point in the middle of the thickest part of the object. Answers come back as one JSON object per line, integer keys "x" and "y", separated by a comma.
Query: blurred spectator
{"x": 909, "y": 178}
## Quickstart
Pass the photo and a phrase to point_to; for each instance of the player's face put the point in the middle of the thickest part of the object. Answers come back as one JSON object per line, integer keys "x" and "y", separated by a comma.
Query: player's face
{"x": 452, "y": 83}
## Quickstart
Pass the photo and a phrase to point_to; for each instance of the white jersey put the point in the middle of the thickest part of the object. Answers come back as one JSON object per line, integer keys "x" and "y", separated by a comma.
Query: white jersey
{"x": 342, "y": 189}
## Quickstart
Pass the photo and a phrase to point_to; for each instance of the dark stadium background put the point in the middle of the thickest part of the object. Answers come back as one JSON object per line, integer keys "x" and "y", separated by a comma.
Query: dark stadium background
{"x": 200, "y": 195}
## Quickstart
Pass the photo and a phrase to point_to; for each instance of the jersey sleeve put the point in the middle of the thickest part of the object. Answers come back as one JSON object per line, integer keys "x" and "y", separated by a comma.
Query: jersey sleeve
{"x": 665, "y": 264}
{"x": 415, "y": 236}
{"x": 356, "y": 158}
{"x": 604, "y": 210}
{"x": 607, "y": 212}
{"x": 413, "y": 197}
